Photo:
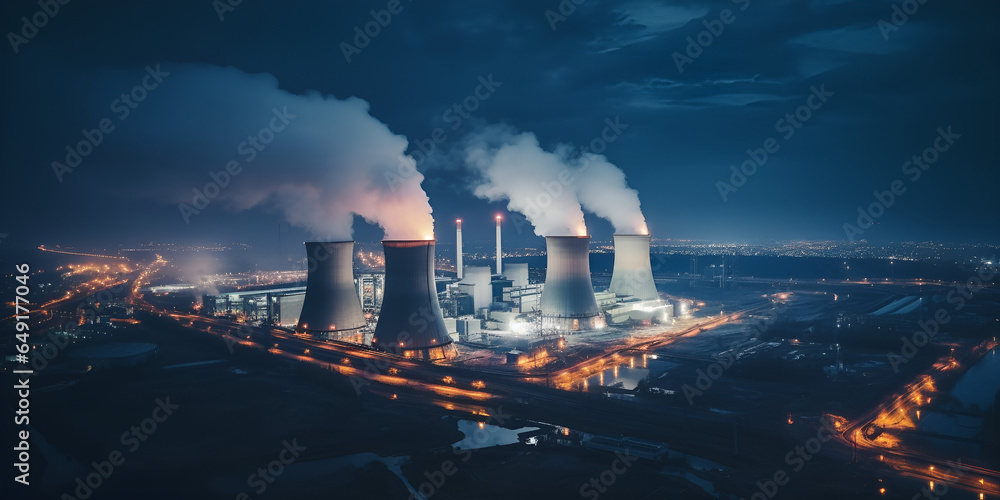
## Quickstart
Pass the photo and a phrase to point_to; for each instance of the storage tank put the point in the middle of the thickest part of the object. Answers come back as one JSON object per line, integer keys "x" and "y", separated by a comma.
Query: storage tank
{"x": 410, "y": 322}
{"x": 632, "y": 274}
{"x": 331, "y": 308}
{"x": 479, "y": 277}
{"x": 568, "y": 302}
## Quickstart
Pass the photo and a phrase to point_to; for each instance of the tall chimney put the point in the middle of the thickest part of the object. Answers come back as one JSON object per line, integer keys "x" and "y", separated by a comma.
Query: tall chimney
{"x": 568, "y": 301}
{"x": 331, "y": 307}
{"x": 632, "y": 274}
{"x": 410, "y": 322}
{"x": 499, "y": 251}
{"x": 458, "y": 250}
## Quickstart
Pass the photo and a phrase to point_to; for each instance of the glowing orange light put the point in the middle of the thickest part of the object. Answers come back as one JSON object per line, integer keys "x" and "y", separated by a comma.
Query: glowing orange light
{"x": 881, "y": 491}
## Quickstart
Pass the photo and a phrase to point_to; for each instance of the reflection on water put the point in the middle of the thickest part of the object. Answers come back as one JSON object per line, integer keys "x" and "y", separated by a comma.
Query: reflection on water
{"x": 482, "y": 435}
{"x": 978, "y": 387}
{"x": 980, "y": 383}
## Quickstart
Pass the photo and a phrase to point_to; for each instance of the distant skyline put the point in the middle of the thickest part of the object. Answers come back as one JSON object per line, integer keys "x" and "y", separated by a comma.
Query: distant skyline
{"x": 828, "y": 106}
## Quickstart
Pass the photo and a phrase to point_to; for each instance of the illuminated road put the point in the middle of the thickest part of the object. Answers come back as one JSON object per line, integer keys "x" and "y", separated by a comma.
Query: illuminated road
{"x": 882, "y": 429}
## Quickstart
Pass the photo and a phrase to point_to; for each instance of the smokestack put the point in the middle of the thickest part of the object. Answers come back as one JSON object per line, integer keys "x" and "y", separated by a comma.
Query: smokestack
{"x": 458, "y": 250}
{"x": 518, "y": 273}
{"x": 410, "y": 322}
{"x": 499, "y": 252}
{"x": 568, "y": 301}
{"x": 331, "y": 307}
{"x": 632, "y": 274}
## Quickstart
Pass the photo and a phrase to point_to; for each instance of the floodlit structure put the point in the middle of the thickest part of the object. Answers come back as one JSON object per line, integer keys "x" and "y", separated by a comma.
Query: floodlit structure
{"x": 479, "y": 279}
{"x": 331, "y": 308}
{"x": 568, "y": 301}
{"x": 632, "y": 274}
{"x": 410, "y": 321}
{"x": 458, "y": 249}
{"x": 518, "y": 273}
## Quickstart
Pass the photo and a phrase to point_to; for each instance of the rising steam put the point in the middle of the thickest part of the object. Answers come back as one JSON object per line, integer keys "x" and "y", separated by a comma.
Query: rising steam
{"x": 324, "y": 160}
{"x": 602, "y": 189}
{"x": 515, "y": 168}
{"x": 551, "y": 188}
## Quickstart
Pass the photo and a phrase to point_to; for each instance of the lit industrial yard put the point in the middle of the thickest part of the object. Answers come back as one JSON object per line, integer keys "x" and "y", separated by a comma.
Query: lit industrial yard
{"x": 707, "y": 386}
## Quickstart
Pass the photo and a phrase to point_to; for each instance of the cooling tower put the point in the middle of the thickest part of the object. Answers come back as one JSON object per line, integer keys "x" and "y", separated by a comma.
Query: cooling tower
{"x": 632, "y": 274}
{"x": 331, "y": 308}
{"x": 568, "y": 301}
{"x": 410, "y": 322}
{"x": 482, "y": 292}
{"x": 518, "y": 273}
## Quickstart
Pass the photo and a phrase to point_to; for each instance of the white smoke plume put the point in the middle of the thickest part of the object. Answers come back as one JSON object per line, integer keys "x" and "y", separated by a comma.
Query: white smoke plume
{"x": 551, "y": 189}
{"x": 603, "y": 190}
{"x": 325, "y": 159}
{"x": 515, "y": 168}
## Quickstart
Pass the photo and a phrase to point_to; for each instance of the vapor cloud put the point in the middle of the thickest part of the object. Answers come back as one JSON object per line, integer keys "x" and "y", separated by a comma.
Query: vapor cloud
{"x": 551, "y": 188}
{"x": 515, "y": 168}
{"x": 331, "y": 161}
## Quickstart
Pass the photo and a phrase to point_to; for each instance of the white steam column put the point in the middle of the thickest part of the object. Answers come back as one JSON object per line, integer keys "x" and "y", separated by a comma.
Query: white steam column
{"x": 568, "y": 302}
{"x": 410, "y": 322}
{"x": 632, "y": 274}
{"x": 499, "y": 252}
{"x": 458, "y": 250}
{"x": 331, "y": 307}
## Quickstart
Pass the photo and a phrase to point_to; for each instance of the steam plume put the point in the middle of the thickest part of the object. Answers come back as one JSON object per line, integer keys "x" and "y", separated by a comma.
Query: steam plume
{"x": 330, "y": 159}
{"x": 551, "y": 189}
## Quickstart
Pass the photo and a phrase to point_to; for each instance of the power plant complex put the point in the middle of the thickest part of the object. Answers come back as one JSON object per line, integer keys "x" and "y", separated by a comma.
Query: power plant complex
{"x": 410, "y": 311}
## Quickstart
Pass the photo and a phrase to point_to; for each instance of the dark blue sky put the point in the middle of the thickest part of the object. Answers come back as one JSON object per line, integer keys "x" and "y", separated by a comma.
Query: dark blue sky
{"x": 605, "y": 60}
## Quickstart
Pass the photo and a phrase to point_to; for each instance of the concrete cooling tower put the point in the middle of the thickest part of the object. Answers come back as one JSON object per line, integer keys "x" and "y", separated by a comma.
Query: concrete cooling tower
{"x": 410, "y": 322}
{"x": 331, "y": 308}
{"x": 568, "y": 301}
{"x": 632, "y": 274}
{"x": 518, "y": 273}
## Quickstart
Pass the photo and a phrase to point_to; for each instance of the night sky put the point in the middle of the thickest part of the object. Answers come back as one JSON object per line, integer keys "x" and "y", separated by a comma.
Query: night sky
{"x": 605, "y": 61}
